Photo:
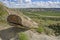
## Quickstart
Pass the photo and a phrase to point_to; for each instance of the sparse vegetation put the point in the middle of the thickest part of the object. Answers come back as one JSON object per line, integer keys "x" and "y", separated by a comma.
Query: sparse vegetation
{"x": 3, "y": 14}
{"x": 45, "y": 21}
{"x": 55, "y": 27}
{"x": 40, "y": 29}
{"x": 44, "y": 13}
{"x": 23, "y": 36}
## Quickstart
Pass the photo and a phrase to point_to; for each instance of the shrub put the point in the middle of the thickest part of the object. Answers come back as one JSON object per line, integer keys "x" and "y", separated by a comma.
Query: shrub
{"x": 23, "y": 36}
{"x": 55, "y": 27}
{"x": 48, "y": 31}
{"x": 40, "y": 29}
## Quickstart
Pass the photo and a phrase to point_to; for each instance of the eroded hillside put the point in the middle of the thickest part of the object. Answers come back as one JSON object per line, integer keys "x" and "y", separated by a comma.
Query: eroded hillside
{"x": 16, "y": 26}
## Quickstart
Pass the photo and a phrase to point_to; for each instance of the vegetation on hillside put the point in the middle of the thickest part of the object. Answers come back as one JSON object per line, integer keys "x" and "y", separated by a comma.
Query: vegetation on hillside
{"x": 23, "y": 36}
{"x": 49, "y": 21}
{"x": 44, "y": 13}
{"x": 3, "y": 14}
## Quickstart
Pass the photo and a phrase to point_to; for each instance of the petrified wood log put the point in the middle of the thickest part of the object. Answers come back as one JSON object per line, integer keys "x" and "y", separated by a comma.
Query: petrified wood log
{"x": 14, "y": 20}
{"x": 22, "y": 21}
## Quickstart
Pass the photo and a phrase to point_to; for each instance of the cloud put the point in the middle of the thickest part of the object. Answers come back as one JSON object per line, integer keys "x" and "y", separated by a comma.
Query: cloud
{"x": 48, "y": 4}
{"x": 30, "y": 4}
{"x": 27, "y": 0}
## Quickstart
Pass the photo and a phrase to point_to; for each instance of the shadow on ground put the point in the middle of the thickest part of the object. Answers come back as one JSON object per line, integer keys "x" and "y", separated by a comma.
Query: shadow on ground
{"x": 10, "y": 34}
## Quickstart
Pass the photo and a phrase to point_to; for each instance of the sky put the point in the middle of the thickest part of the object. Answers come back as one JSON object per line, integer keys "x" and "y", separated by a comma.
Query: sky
{"x": 31, "y": 3}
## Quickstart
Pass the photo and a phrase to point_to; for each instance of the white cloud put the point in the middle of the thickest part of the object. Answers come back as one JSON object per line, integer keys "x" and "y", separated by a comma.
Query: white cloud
{"x": 28, "y": 0}
{"x": 48, "y": 4}
{"x": 29, "y": 4}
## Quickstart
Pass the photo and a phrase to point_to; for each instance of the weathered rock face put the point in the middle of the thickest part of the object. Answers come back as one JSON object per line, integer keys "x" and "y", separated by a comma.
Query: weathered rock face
{"x": 26, "y": 21}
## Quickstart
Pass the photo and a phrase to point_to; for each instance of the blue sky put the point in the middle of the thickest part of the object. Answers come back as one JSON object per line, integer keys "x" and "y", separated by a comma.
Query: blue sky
{"x": 32, "y": 3}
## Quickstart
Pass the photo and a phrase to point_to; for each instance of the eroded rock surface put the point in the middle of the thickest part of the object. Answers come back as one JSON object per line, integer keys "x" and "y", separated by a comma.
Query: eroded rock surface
{"x": 36, "y": 36}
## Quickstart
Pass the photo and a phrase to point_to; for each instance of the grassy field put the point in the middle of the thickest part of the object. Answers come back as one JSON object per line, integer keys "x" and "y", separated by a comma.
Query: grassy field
{"x": 53, "y": 15}
{"x": 48, "y": 13}
{"x": 45, "y": 13}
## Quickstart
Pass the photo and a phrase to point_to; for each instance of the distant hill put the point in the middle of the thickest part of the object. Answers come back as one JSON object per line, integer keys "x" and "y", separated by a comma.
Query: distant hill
{"x": 40, "y": 9}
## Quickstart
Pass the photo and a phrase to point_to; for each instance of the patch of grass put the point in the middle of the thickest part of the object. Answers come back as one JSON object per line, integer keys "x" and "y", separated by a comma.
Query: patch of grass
{"x": 23, "y": 36}
{"x": 40, "y": 29}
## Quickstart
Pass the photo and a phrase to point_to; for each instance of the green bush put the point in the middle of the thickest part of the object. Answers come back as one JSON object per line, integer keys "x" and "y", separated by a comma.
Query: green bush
{"x": 55, "y": 27}
{"x": 48, "y": 31}
{"x": 40, "y": 29}
{"x": 23, "y": 36}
